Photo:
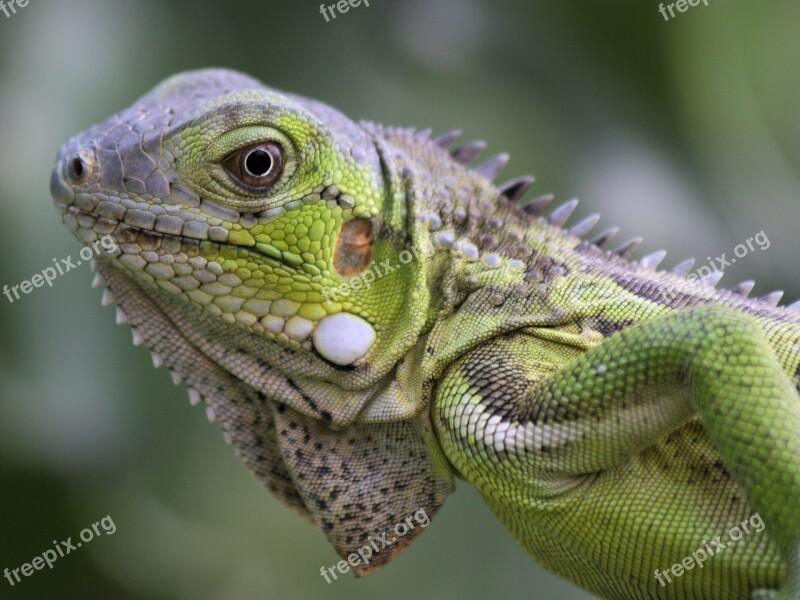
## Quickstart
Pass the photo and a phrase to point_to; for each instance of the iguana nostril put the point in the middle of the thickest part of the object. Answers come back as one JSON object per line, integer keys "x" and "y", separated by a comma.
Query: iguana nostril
{"x": 76, "y": 169}
{"x": 79, "y": 167}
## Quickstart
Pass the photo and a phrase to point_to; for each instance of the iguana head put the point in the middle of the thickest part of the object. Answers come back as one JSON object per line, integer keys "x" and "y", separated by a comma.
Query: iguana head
{"x": 267, "y": 252}
{"x": 264, "y": 209}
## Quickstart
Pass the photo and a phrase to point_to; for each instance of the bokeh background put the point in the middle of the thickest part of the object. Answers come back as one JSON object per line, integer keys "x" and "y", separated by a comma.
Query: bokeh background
{"x": 685, "y": 132}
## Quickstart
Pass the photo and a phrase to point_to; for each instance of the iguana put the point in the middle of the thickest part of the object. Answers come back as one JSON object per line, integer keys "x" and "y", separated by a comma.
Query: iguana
{"x": 614, "y": 417}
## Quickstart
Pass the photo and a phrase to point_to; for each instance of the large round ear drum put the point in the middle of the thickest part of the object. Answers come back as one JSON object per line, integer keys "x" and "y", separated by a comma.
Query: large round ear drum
{"x": 354, "y": 247}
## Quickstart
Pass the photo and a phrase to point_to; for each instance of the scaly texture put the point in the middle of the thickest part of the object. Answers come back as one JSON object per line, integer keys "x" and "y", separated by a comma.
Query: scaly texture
{"x": 368, "y": 318}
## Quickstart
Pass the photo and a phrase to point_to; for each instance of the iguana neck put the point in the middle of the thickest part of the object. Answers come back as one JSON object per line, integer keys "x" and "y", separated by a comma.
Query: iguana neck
{"x": 482, "y": 237}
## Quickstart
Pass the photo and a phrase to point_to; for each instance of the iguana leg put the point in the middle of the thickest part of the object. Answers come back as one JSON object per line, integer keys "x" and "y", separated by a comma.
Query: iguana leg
{"x": 605, "y": 406}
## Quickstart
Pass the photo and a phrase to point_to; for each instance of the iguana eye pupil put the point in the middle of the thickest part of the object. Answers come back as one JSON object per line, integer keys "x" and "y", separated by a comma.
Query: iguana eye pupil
{"x": 257, "y": 166}
{"x": 258, "y": 163}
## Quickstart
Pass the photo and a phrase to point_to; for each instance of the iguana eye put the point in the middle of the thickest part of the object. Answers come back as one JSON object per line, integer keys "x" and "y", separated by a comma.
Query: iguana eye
{"x": 256, "y": 166}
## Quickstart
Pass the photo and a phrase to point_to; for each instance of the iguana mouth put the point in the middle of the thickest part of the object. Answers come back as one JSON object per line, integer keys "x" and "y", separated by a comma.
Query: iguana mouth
{"x": 126, "y": 233}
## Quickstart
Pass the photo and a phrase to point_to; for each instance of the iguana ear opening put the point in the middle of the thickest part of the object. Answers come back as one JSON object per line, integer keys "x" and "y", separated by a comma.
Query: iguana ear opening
{"x": 373, "y": 488}
{"x": 354, "y": 247}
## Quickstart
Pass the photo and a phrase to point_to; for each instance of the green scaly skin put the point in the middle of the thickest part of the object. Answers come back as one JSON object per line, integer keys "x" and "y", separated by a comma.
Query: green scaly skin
{"x": 613, "y": 417}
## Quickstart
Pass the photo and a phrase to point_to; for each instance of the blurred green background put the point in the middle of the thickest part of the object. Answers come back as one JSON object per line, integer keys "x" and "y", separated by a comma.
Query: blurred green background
{"x": 684, "y": 132}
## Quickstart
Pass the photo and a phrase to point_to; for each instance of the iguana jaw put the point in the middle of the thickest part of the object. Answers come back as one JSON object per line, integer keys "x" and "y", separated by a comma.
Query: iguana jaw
{"x": 212, "y": 274}
{"x": 84, "y": 224}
